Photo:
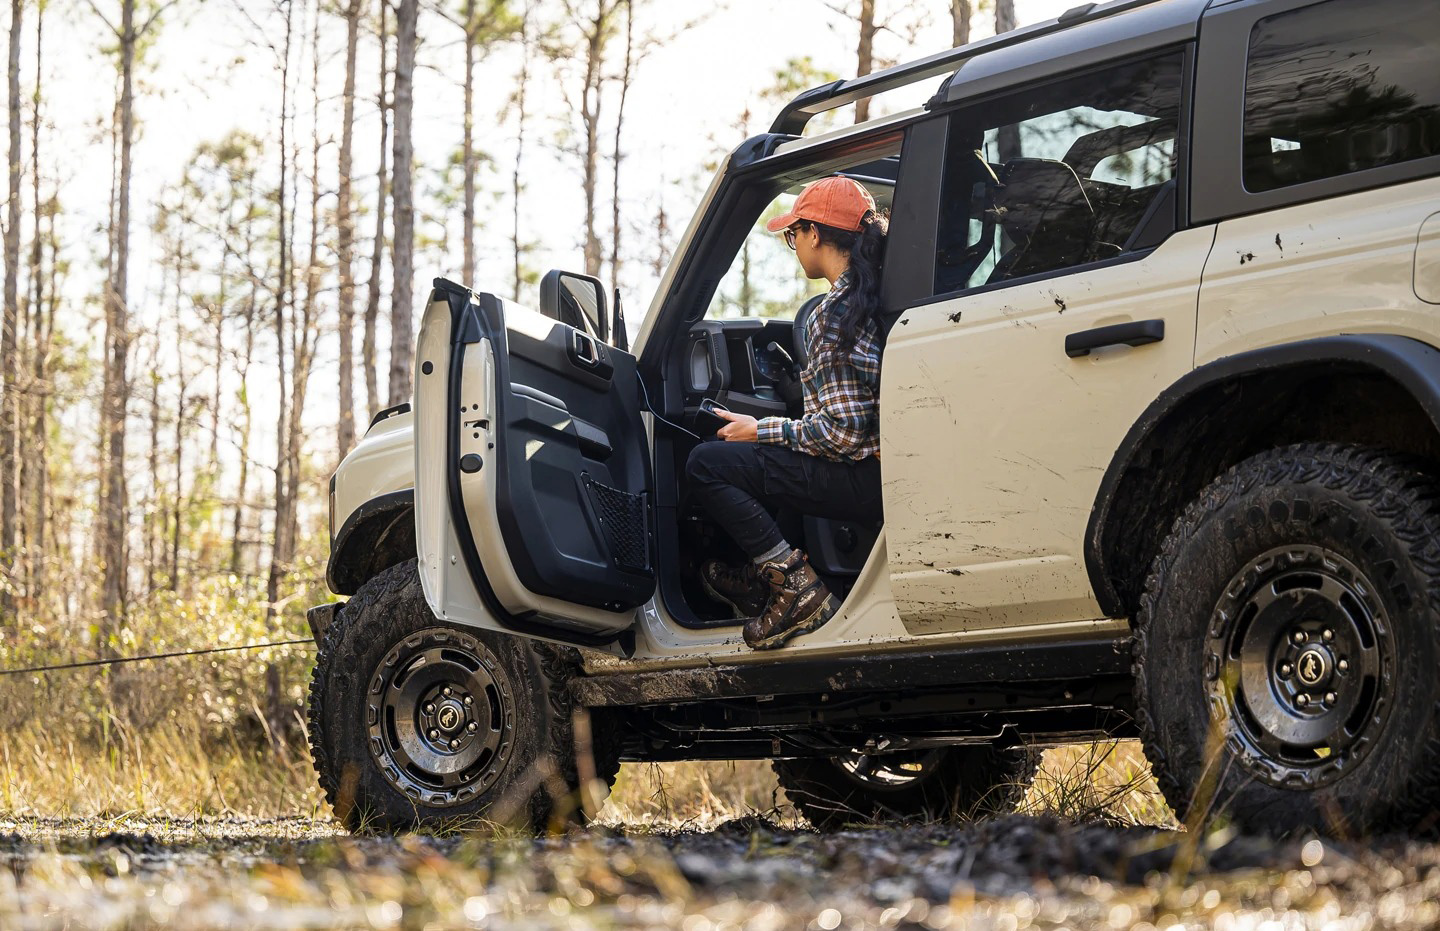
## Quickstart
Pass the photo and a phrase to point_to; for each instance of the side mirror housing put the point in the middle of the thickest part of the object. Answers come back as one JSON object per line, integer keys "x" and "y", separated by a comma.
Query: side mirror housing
{"x": 575, "y": 300}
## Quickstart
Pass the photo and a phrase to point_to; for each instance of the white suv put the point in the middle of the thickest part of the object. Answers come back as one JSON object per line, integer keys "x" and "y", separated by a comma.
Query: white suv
{"x": 1160, "y": 431}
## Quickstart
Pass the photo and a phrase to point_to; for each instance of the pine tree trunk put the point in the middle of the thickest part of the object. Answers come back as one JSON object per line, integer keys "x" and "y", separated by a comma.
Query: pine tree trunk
{"x": 39, "y": 484}
{"x": 151, "y": 506}
{"x": 1004, "y": 16}
{"x": 617, "y": 156}
{"x": 117, "y": 339}
{"x": 960, "y": 14}
{"x": 467, "y": 150}
{"x": 279, "y": 549}
{"x": 345, "y": 236}
{"x": 177, "y": 502}
{"x": 865, "y": 54}
{"x": 10, "y": 341}
{"x": 403, "y": 263}
{"x": 590, "y": 107}
{"x": 522, "y": 86}
{"x": 377, "y": 254}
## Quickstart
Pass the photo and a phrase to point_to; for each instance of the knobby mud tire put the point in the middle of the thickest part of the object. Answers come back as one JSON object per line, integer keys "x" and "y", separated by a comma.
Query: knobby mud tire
{"x": 1381, "y": 512}
{"x": 537, "y": 789}
{"x": 967, "y": 783}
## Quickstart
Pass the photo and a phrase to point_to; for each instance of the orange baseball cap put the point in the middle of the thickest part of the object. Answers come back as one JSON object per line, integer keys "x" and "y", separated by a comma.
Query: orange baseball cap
{"x": 838, "y": 202}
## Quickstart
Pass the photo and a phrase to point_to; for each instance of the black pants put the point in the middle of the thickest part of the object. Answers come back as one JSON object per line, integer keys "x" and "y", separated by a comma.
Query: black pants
{"x": 737, "y": 481}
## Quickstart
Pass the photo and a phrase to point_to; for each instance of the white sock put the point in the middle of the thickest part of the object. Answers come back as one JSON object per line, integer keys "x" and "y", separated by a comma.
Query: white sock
{"x": 779, "y": 553}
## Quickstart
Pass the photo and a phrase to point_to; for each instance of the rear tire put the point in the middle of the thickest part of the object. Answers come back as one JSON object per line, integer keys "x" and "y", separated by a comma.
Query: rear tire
{"x": 946, "y": 784}
{"x": 416, "y": 724}
{"x": 1287, "y": 644}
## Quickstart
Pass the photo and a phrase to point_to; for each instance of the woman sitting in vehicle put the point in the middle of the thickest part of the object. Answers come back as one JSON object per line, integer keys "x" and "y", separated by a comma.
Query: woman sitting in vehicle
{"x": 825, "y": 463}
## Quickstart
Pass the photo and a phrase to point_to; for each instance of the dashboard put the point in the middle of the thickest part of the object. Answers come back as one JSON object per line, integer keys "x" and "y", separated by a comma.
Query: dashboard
{"x": 740, "y": 363}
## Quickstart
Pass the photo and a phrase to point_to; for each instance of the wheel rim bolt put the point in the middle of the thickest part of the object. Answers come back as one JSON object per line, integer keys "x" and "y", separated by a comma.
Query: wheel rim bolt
{"x": 472, "y": 727}
{"x": 445, "y": 691}
{"x": 1299, "y": 636}
{"x": 1286, "y": 669}
{"x": 1302, "y": 700}
{"x": 429, "y": 707}
{"x": 1343, "y": 665}
{"x": 1330, "y": 698}
{"x": 469, "y": 700}
{"x": 1328, "y": 635}
{"x": 434, "y": 735}
{"x": 454, "y": 744}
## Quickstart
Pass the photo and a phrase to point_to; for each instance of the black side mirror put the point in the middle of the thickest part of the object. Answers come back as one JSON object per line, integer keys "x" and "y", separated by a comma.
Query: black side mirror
{"x": 621, "y": 337}
{"x": 575, "y": 300}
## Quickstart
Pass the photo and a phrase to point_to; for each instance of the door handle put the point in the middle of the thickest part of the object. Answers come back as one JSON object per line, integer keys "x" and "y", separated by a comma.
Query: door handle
{"x": 1135, "y": 333}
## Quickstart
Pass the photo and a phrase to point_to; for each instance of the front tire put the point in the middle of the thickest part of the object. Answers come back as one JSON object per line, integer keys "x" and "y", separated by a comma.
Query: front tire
{"x": 1287, "y": 643}
{"x": 927, "y": 785}
{"x": 415, "y": 724}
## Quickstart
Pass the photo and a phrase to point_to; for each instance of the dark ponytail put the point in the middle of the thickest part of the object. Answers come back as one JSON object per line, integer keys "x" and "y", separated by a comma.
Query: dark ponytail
{"x": 866, "y": 249}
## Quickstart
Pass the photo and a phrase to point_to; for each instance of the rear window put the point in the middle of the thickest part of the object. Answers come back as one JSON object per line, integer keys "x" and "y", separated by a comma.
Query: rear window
{"x": 1340, "y": 87}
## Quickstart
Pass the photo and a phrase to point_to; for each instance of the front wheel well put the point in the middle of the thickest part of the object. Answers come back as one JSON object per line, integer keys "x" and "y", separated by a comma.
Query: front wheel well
{"x": 1226, "y": 422}
{"x": 378, "y": 535}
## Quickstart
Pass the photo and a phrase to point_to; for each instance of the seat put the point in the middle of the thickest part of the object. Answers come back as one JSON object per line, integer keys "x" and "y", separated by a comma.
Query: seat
{"x": 1044, "y": 209}
{"x": 797, "y": 331}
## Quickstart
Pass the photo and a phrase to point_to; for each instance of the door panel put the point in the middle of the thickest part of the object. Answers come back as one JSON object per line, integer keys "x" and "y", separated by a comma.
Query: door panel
{"x": 536, "y": 516}
{"x": 994, "y": 440}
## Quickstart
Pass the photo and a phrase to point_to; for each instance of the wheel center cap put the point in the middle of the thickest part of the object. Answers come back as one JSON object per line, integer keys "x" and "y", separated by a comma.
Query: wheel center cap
{"x": 449, "y": 717}
{"x": 1312, "y": 667}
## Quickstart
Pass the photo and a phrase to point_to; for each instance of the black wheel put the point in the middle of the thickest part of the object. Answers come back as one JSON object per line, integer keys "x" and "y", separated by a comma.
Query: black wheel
{"x": 417, "y": 724}
{"x": 1286, "y": 647}
{"x": 924, "y": 785}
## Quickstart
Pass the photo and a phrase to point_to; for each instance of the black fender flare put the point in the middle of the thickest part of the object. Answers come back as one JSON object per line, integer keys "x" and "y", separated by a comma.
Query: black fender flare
{"x": 364, "y": 535}
{"x": 1410, "y": 363}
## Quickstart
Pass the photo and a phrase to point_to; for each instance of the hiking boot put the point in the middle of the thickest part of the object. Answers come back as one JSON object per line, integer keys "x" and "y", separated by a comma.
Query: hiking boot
{"x": 799, "y": 603}
{"x": 742, "y": 590}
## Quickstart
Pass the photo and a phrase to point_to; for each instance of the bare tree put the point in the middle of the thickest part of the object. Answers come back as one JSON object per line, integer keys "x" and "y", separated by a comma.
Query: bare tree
{"x": 377, "y": 254}
{"x": 345, "y": 235}
{"x": 37, "y": 478}
{"x": 625, "y": 77}
{"x": 522, "y": 84}
{"x": 403, "y": 249}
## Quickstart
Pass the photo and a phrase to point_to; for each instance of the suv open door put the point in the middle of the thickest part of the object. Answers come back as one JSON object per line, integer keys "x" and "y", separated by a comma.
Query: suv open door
{"x": 532, "y": 472}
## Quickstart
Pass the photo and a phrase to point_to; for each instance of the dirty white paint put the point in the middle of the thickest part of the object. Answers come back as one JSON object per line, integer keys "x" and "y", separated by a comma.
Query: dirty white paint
{"x": 1343, "y": 265}
{"x": 994, "y": 442}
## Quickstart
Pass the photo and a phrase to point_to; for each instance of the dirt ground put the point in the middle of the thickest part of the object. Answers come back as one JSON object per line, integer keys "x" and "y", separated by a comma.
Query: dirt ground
{"x": 1009, "y": 873}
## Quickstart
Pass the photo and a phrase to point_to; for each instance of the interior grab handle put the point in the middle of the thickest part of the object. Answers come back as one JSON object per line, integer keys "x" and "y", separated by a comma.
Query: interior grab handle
{"x": 1134, "y": 333}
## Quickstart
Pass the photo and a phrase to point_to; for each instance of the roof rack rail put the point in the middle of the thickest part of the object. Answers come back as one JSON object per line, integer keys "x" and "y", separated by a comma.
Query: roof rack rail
{"x": 811, "y": 103}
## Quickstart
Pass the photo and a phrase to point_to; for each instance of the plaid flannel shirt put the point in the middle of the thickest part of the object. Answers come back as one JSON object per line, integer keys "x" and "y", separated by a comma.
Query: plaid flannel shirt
{"x": 841, "y": 389}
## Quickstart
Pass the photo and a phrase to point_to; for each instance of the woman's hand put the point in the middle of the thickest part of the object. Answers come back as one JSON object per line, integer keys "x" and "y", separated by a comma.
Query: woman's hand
{"x": 742, "y": 428}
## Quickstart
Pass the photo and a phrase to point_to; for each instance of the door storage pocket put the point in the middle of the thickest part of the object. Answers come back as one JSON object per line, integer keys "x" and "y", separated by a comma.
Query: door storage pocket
{"x": 622, "y": 520}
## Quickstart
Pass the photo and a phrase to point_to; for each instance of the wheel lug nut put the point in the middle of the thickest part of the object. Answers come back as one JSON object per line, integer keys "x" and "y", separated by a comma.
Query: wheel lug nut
{"x": 469, "y": 700}
{"x": 429, "y": 707}
{"x": 1328, "y": 635}
{"x": 1343, "y": 665}
{"x": 454, "y": 744}
{"x": 1330, "y": 698}
{"x": 1302, "y": 700}
{"x": 434, "y": 735}
{"x": 1286, "y": 669}
{"x": 472, "y": 727}
{"x": 1299, "y": 636}
{"x": 445, "y": 691}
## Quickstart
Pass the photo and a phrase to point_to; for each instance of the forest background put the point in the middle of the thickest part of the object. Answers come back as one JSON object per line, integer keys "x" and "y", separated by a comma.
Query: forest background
{"x": 220, "y": 217}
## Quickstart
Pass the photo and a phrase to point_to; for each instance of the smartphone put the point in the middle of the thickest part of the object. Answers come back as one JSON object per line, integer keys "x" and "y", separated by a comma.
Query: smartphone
{"x": 709, "y": 418}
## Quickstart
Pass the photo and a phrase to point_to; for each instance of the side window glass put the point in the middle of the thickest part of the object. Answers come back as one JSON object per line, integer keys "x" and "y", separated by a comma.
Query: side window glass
{"x": 1058, "y": 176}
{"x": 1340, "y": 87}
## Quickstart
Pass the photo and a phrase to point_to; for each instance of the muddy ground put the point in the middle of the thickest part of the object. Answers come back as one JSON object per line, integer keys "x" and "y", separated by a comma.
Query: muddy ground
{"x": 1010, "y": 873}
